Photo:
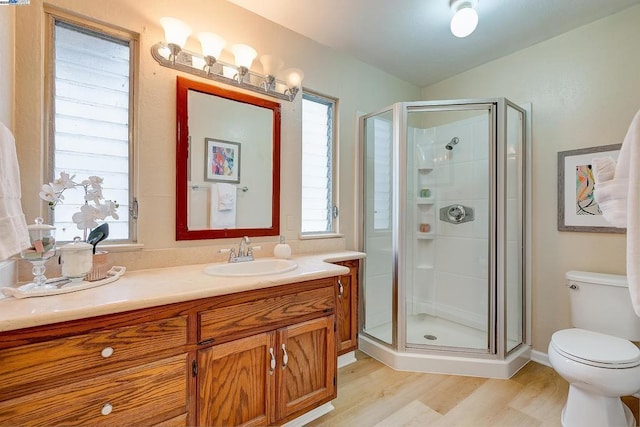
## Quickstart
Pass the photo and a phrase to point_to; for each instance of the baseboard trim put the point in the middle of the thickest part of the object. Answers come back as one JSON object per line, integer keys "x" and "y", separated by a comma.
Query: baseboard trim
{"x": 540, "y": 357}
{"x": 312, "y": 415}
{"x": 346, "y": 359}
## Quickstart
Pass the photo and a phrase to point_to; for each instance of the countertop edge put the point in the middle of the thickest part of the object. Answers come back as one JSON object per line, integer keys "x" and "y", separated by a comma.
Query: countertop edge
{"x": 134, "y": 291}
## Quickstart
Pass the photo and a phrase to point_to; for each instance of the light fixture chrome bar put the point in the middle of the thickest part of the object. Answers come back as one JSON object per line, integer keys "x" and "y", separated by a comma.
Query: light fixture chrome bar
{"x": 184, "y": 61}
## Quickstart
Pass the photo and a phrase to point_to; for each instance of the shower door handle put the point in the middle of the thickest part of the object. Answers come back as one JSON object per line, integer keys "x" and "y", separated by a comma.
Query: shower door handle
{"x": 456, "y": 214}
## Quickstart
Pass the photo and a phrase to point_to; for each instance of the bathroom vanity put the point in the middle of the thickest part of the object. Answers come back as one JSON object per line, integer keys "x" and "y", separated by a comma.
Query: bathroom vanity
{"x": 176, "y": 347}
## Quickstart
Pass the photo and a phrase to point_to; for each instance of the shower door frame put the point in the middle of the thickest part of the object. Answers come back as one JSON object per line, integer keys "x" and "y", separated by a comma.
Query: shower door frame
{"x": 496, "y": 337}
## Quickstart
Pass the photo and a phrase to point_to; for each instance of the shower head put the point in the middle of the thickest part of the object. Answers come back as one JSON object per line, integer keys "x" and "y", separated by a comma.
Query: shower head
{"x": 451, "y": 143}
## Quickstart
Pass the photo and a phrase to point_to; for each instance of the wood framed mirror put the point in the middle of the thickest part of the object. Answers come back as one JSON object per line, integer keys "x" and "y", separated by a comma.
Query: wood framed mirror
{"x": 227, "y": 163}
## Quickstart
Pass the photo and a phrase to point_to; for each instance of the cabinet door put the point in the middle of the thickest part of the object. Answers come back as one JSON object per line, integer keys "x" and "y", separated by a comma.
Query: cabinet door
{"x": 307, "y": 366}
{"x": 236, "y": 382}
{"x": 347, "y": 336}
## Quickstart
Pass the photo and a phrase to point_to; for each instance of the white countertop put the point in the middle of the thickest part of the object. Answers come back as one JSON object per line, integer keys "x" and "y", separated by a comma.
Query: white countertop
{"x": 151, "y": 288}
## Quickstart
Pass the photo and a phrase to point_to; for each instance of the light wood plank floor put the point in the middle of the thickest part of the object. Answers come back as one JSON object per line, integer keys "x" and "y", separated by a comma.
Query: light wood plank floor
{"x": 372, "y": 394}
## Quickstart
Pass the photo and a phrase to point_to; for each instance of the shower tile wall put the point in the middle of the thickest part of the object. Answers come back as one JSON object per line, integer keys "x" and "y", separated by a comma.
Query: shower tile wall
{"x": 457, "y": 288}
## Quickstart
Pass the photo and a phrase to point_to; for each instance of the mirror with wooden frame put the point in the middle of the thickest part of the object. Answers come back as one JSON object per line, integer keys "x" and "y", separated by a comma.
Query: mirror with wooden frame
{"x": 227, "y": 163}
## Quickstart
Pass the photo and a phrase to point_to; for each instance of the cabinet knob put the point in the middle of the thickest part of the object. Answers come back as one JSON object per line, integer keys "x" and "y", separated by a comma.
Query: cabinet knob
{"x": 340, "y": 288}
{"x": 273, "y": 361}
{"x": 106, "y": 409}
{"x": 285, "y": 357}
{"x": 106, "y": 352}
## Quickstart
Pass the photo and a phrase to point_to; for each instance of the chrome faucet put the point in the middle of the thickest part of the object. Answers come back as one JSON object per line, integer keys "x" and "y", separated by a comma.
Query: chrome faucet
{"x": 245, "y": 253}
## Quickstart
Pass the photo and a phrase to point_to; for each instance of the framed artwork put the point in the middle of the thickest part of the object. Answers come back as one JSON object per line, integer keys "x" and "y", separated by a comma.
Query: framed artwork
{"x": 577, "y": 208}
{"x": 222, "y": 161}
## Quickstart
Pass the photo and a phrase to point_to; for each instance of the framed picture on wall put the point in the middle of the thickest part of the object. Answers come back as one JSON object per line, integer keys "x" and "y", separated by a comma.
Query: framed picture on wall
{"x": 577, "y": 208}
{"x": 222, "y": 161}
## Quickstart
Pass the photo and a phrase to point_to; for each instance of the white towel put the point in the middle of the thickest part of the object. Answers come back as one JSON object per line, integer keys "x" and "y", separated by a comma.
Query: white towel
{"x": 14, "y": 236}
{"x": 626, "y": 182}
{"x": 221, "y": 218}
{"x": 226, "y": 197}
{"x": 610, "y": 193}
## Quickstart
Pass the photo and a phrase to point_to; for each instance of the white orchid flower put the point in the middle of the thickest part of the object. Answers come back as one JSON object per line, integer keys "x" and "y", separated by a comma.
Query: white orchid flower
{"x": 86, "y": 218}
{"x": 89, "y": 214}
{"x": 108, "y": 208}
{"x": 96, "y": 181}
{"x": 93, "y": 194}
{"x": 49, "y": 194}
{"x": 65, "y": 181}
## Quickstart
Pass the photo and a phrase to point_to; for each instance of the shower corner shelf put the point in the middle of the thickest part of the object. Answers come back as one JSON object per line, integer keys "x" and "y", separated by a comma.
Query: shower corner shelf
{"x": 425, "y": 169}
{"x": 425, "y": 200}
{"x": 426, "y": 236}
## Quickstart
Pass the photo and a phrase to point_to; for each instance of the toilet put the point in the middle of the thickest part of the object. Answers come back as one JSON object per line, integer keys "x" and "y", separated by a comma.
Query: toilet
{"x": 597, "y": 357}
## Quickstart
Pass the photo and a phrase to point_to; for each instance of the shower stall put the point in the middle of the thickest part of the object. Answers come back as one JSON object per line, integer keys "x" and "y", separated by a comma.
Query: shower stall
{"x": 445, "y": 200}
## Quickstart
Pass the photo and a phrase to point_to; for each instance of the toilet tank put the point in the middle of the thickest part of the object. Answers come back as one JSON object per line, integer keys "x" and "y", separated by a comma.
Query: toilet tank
{"x": 601, "y": 303}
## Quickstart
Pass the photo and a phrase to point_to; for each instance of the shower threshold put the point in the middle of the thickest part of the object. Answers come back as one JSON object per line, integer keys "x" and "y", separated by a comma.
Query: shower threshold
{"x": 448, "y": 334}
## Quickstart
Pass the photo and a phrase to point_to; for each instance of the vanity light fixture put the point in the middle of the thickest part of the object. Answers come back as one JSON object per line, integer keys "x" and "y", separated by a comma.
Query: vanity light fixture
{"x": 207, "y": 64}
{"x": 465, "y": 18}
{"x": 271, "y": 66}
{"x": 244, "y": 58}
{"x": 212, "y": 45}
{"x": 176, "y": 33}
{"x": 294, "y": 78}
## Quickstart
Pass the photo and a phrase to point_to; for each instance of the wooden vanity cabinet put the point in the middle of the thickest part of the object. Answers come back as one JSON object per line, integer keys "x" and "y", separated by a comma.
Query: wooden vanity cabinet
{"x": 273, "y": 376}
{"x": 347, "y": 302}
{"x": 260, "y": 357}
{"x": 123, "y": 369}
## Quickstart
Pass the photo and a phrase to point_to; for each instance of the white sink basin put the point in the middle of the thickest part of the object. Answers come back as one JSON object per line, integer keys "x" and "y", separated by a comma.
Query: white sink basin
{"x": 259, "y": 267}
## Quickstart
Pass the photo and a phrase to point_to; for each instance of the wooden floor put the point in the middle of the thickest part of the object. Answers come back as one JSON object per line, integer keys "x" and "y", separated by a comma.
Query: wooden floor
{"x": 372, "y": 394}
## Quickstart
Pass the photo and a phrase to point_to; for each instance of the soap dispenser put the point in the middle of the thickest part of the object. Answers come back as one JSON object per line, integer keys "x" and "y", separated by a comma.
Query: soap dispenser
{"x": 282, "y": 250}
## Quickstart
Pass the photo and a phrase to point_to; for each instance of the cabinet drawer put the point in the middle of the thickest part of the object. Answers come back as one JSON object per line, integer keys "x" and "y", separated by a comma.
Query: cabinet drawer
{"x": 261, "y": 314}
{"x": 39, "y": 362}
{"x": 156, "y": 390}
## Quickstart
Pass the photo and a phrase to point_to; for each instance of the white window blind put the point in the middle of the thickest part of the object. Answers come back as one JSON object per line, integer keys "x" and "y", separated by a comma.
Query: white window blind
{"x": 91, "y": 92}
{"x": 382, "y": 168}
{"x": 317, "y": 164}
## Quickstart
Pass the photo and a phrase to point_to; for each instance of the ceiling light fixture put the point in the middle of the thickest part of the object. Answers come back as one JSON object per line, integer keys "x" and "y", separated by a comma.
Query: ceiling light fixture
{"x": 207, "y": 64}
{"x": 465, "y": 18}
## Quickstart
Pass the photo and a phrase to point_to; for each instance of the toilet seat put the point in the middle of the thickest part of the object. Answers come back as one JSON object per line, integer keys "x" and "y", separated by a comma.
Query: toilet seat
{"x": 596, "y": 349}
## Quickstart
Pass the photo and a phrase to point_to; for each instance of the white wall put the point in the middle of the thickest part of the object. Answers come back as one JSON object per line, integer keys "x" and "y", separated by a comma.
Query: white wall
{"x": 584, "y": 89}
{"x": 7, "y": 40}
{"x": 326, "y": 71}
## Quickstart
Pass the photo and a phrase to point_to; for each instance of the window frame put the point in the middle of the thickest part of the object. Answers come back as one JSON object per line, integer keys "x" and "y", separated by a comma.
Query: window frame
{"x": 335, "y": 221}
{"x": 52, "y": 15}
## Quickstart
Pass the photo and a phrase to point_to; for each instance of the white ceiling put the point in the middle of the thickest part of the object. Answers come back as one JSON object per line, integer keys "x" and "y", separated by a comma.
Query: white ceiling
{"x": 411, "y": 39}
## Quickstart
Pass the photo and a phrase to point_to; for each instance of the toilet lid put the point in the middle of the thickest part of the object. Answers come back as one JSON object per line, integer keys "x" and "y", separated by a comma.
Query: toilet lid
{"x": 596, "y": 349}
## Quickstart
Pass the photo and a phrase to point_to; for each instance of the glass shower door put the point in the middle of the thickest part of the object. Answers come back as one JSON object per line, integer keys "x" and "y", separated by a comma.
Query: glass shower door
{"x": 379, "y": 282}
{"x": 446, "y": 287}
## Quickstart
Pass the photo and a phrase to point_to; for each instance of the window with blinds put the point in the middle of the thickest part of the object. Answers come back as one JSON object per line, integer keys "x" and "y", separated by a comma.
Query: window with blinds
{"x": 318, "y": 127}
{"x": 91, "y": 87}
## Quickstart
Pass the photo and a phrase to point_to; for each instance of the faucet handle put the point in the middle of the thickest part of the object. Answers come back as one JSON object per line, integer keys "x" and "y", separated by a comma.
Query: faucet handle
{"x": 232, "y": 254}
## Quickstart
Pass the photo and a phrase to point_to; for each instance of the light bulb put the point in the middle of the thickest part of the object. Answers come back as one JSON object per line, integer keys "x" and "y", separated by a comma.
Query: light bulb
{"x": 212, "y": 44}
{"x": 294, "y": 77}
{"x": 271, "y": 65}
{"x": 176, "y": 32}
{"x": 465, "y": 18}
{"x": 244, "y": 55}
{"x": 464, "y": 22}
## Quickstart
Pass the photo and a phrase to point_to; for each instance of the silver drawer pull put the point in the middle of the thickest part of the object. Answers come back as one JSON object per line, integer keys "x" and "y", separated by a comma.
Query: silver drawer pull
{"x": 272, "y": 367}
{"x": 285, "y": 357}
{"x": 340, "y": 288}
{"x": 106, "y": 352}
{"x": 106, "y": 409}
